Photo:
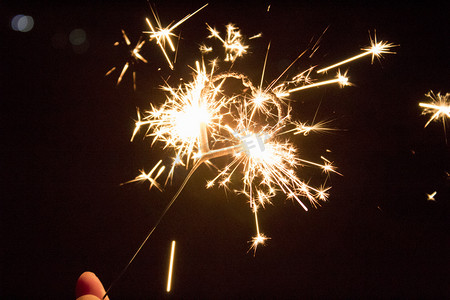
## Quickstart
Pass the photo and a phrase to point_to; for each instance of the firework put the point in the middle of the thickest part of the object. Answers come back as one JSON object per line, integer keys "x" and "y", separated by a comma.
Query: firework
{"x": 134, "y": 57}
{"x": 224, "y": 114}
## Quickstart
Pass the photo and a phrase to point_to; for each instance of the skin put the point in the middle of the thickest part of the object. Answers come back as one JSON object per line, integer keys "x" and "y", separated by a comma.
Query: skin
{"x": 89, "y": 287}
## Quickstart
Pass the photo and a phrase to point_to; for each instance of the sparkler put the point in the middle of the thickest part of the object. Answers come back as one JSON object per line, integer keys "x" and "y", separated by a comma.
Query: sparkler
{"x": 223, "y": 114}
{"x": 247, "y": 126}
{"x": 251, "y": 125}
{"x": 134, "y": 57}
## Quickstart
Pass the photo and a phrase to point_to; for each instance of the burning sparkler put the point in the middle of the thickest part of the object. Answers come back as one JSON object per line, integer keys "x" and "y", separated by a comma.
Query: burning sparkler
{"x": 250, "y": 127}
{"x": 134, "y": 57}
{"x": 201, "y": 121}
{"x": 224, "y": 114}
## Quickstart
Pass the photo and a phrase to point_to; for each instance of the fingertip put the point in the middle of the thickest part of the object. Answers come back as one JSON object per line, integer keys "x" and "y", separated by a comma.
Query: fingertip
{"x": 88, "y": 284}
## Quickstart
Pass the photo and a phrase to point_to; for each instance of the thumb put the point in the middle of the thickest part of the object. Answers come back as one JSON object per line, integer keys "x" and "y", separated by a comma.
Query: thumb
{"x": 89, "y": 287}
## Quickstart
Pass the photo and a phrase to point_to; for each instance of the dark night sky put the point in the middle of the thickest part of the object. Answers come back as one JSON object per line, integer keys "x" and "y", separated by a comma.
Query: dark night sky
{"x": 65, "y": 150}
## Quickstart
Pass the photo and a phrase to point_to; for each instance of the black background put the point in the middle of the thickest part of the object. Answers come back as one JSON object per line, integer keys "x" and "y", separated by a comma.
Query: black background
{"x": 65, "y": 150}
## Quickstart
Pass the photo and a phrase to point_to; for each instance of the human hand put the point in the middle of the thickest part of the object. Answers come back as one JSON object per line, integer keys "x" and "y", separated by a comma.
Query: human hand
{"x": 89, "y": 287}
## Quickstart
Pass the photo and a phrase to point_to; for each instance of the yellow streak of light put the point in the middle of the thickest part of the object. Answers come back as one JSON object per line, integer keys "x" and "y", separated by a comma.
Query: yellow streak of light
{"x": 376, "y": 49}
{"x": 342, "y": 80}
{"x": 169, "y": 276}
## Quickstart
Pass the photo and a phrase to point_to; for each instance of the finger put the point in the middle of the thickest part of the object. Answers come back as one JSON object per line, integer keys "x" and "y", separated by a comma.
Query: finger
{"x": 88, "y": 297}
{"x": 89, "y": 284}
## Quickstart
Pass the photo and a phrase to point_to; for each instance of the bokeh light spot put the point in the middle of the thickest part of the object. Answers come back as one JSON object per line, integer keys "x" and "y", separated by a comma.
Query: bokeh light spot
{"x": 77, "y": 37}
{"x": 22, "y": 23}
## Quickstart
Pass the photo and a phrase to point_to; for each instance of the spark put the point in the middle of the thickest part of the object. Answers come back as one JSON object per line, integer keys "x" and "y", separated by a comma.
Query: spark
{"x": 304, "y": 129}
{"x": 134, "y": 57}
{"x": 431, "y": 196}
{"x": 232, "y": 43}
{"x": 439, "y": 107}
{"x": 169, "y": 276}
{"x": 164, "y": 35}
{"x": 376, "y": 49}
{"x": 340, "y": 79}
{"x": 148, "y": 176}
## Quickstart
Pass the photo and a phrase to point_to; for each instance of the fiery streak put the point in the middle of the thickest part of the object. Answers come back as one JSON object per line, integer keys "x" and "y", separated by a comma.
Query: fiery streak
{"x": 169, "y": 274}
{"x": 164, "y": 35}
{"x": 342, "y": 80}
{"x": 376, "y": 49}
{"x": 134, "y": 57}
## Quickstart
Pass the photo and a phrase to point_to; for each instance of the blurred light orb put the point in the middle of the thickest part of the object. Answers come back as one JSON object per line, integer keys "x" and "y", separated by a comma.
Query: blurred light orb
{"x": 77, "y": 37}
{"x": 22, "y": 23}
